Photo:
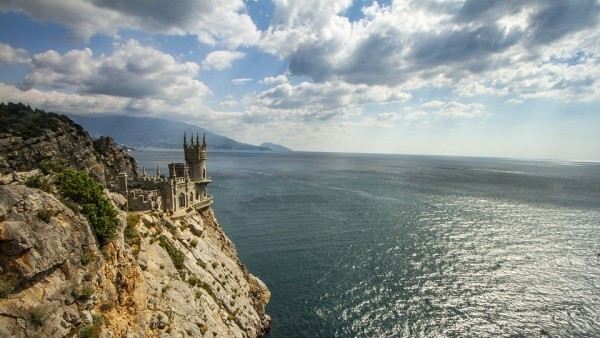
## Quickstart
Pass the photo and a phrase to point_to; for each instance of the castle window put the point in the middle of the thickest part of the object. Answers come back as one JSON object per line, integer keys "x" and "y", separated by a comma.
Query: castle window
{"x": 191, "y": 196}
{"x": 203, "y": 173}
{"x": 181, "y": 200}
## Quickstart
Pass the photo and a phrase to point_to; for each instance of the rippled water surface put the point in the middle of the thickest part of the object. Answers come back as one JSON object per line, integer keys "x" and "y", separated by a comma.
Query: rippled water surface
{"x": 398, "y": 246}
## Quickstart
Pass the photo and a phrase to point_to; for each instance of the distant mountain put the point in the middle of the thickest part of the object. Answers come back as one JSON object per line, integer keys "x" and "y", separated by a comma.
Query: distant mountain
{"x": 145, "y": 132}
{"x": 275, "y": 147}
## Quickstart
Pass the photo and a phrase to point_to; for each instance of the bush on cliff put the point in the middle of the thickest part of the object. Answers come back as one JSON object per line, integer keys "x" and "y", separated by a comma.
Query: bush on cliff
{"x": 176, "y": 256}
{"x": 79, "y": 187}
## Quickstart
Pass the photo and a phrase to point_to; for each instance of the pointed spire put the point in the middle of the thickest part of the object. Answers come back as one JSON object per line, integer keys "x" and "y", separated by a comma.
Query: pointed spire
{"x": 204, "y": 140}
{"x": 185, "y": 139}
{"x": 157, "y": 171}
{"x": 143, "y": 171}
{"x": 197, "y": 139}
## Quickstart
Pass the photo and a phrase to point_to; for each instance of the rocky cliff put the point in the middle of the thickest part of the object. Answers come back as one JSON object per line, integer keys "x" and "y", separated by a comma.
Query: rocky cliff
{"x": 160, "y": 277}
{"x": 140, "y": 275}
{"x": 28, "y": 137}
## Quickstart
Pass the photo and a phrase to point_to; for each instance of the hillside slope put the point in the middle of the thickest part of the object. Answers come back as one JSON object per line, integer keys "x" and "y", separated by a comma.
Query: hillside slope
{"x": 28, "y": 137}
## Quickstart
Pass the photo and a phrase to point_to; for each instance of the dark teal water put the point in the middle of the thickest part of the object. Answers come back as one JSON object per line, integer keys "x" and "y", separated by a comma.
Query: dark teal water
{"x": 399, "y": 246}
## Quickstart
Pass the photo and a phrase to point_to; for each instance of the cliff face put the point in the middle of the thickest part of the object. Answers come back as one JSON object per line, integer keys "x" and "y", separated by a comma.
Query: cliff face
{"x": 159, "y": 278}
{"x": 27, "y": 137}
{"x": 114, "y": 159}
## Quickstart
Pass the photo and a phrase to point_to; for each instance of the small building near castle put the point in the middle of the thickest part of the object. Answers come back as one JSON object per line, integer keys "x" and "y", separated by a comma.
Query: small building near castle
{"x": 184, "y": 188}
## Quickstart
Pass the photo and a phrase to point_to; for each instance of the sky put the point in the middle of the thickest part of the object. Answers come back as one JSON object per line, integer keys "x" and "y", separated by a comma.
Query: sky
{"x": 508, "y": 78}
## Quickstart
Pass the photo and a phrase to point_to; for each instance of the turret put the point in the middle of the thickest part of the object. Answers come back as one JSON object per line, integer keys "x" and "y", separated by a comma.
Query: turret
{"x": 203, "y": 157}
{"x": 195, "y": 157}
{"x": 122, "y": 182}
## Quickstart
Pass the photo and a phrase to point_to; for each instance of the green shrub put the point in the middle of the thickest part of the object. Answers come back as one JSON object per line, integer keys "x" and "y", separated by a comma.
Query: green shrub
{"x": 45, "y": 215}
{"x": 86, "y": 258}
{"x": 8, "y": 283}
{"x": 194, "y": 242}
{"x": 176, "y": 256}
{"x": 37, "y": 316}
{"x": 132, "y": 220}
{"x": 132, "y": 237}
{"x": 79, "y": 187}
{"x": 193, "y": 281}
{"x": 92, "y": 331}
{"x": 49, "y": 166}
{"x": 83, "y": 293}
{"x": 38, "y": 182}
{"x": 33, "y": 181}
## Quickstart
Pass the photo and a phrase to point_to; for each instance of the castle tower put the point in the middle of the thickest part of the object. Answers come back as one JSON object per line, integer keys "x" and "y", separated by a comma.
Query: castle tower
{"x": 203, "y": 155}
{"x": 122, "y": 182}
{"x": 195, "y": 157}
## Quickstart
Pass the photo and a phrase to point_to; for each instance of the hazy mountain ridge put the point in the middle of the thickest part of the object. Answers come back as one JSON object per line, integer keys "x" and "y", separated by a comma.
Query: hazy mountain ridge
{"x": 275, "y": 147}
{"x": 146, "y": 132}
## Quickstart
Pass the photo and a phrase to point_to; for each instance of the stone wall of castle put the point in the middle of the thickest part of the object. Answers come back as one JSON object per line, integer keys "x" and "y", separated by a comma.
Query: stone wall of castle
{"x": 139, "y": 200}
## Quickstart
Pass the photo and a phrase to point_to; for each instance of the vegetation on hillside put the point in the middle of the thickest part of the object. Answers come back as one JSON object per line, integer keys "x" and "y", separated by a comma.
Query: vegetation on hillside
{"x": 176, "y": 256}
{"x": 77, "y": 186}
{"x": 21, "y": 120}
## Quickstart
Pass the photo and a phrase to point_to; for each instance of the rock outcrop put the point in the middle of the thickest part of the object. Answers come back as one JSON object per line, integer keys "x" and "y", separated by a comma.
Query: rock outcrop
{"x": 161, "y": 277}
{"x": 158, "y": 277}
{"x": 114, "y": 159}
{"x": 27, "y": 137}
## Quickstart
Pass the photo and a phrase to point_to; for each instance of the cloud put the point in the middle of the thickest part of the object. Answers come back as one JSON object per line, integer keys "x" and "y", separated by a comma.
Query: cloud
{"x": 453, "y": 109}
{"x": 275, "y": 80}
{"x": 134, "y": 79}
{"x": 229, "y": 103}
{"x": 457, "y": 46}
{"x": 417, "y": 44}
{"x": 221, "y": 59}
{"x": 317, "y": 101}
{"x": 241, "y": 81}
{"x": 560, "y": 18}
{"x": 10, "y": 55}
{"x": 211, "y": 21}
{"x": 132, "y": 70}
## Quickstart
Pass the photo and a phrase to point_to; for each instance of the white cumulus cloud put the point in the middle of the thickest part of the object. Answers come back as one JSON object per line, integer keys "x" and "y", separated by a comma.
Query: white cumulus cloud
{"x": 221, "y": 59}
{"x": 10, "y": 55}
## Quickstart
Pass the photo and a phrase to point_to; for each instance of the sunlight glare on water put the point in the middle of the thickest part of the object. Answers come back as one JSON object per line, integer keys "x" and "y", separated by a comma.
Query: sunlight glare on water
{"x": 398, "y": 246}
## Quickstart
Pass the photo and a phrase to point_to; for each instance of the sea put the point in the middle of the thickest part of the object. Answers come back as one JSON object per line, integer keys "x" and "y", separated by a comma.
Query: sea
{"x": 359, "y": 245}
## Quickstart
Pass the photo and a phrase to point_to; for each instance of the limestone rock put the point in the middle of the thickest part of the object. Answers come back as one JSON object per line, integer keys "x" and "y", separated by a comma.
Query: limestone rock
{"x": 137, "y": 293}
{"x": 119, "y": 200}
{"x": 114, "y": 159}
{"x": 33, "y": 245}
{"x": 6, "y": 178}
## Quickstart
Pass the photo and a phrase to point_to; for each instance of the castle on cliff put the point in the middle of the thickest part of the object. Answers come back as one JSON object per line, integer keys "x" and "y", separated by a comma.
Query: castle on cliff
{"x": 185, "y": 187}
